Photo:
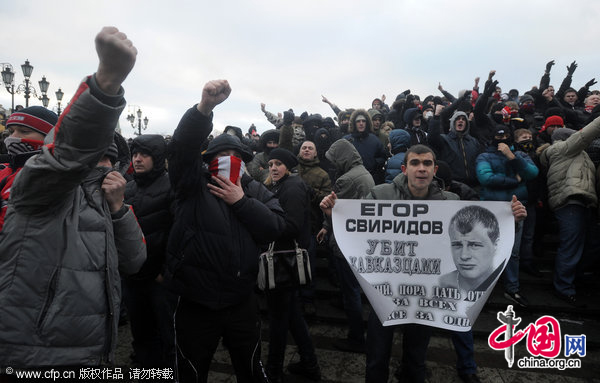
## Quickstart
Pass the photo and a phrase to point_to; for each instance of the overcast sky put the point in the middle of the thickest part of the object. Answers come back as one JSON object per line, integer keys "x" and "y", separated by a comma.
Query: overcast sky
{"x": 287, "y": 53}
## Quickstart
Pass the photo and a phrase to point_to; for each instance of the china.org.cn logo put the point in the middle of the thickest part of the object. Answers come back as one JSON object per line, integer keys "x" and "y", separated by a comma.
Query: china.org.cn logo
{"x": 543, "y": 340}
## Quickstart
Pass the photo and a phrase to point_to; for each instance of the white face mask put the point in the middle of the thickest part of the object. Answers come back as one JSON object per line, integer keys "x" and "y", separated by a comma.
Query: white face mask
{"x": 16, "y": 145}
{"x": 428, "y": 115}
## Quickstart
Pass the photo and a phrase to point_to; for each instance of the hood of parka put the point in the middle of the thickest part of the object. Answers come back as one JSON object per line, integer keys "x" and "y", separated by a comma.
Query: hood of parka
{"x": 352, "y": 126}
{"x": 344, "y": 156}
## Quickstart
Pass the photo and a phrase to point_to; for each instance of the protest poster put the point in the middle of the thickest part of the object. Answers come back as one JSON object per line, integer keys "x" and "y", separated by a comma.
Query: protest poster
{"x": 428, "y": 262}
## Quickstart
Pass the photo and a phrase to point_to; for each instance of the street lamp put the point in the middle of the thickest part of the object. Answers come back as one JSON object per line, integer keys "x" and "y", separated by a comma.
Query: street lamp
{"x": 132, "y": 120}
{"x": 44, "y": 89}
{"x": 59, "y": 95}
{"x": 8, "y": 76}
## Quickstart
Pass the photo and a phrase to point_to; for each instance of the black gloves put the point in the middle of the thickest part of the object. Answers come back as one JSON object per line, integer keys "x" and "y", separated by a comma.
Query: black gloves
{"x": 590, "y": 83}
{"x": 571, "y": 68}
{"x": 288, "y": 117}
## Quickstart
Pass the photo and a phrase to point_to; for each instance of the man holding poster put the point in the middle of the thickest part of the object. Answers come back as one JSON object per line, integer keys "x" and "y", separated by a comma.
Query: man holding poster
{"x": 398, "y": 277}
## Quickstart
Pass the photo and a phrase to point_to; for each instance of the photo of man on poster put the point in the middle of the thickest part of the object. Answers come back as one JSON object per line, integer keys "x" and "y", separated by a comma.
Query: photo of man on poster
{"x": 474, "y": 234}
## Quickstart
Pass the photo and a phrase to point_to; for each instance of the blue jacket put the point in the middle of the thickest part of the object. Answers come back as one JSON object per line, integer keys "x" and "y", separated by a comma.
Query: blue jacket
{"x": 399, "y": 140}
{"x": 497, "y": 175}
{"x": 368, "y": 145}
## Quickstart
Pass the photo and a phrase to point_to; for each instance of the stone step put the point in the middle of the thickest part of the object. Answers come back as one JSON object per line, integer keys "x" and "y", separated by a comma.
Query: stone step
{"x": 573, "y": 321}
{"x": 338, "y": 366}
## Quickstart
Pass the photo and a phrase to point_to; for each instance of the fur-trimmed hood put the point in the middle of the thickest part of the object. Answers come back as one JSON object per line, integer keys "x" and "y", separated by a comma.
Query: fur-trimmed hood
{"x": 355, "y": 114}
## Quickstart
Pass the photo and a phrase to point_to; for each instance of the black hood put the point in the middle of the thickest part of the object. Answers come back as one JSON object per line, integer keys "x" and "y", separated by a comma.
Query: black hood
{"x": 155, "y": 146}
{"x": 322, "y": 143}
{"x": 269, "y": 135}
{"x": 238, "y": 131}
{"x": 225, "y": 142}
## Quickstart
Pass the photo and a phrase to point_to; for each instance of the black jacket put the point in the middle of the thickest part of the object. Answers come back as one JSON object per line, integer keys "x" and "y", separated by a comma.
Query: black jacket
{"x": 149, "y": 195}
{"x": 213, "y": 249}
{"x": 459, "y": 150}
{"x": 294, "y": 196}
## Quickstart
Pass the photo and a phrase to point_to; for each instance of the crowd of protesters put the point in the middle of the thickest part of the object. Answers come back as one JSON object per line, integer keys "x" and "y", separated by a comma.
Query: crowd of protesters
{"x": 173, "y": 228}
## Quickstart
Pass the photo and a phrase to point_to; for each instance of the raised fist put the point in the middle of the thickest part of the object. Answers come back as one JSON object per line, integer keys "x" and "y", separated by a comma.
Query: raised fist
{"x": 214, "y": 93}
{"x": 116, "y": 55}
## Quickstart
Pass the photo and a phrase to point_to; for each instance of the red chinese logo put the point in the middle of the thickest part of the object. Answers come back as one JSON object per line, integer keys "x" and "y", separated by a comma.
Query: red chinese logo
{"x": 543, "y": 336}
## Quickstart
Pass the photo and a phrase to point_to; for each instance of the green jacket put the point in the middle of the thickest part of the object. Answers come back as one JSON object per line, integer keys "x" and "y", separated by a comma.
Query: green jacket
{"x": 398, "y": 190}
{"x": 320, "y": 183}
{"x": 571, "y": 174}
{"x": 354, "y": 181}
{"x": 258, "y": 168}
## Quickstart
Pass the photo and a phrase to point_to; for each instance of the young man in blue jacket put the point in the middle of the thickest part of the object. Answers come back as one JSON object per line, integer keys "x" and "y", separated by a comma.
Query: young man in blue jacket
{"x": 503, "y": 173}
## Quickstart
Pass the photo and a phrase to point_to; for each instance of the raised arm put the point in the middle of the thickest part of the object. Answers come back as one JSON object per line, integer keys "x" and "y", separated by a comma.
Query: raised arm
{"x": 333, "y": 106}
{"x": 566, "y": 84}
{"x": 84, "y": 131}
{"x": 545, "y": 80}
{"x": 193, "y": 129}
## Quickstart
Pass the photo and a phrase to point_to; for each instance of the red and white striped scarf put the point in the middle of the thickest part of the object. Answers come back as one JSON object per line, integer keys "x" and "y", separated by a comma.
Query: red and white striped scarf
{"x": 229, "y": 167}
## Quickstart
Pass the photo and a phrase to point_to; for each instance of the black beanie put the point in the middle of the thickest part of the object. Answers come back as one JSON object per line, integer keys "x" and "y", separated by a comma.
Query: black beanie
{"x": 227, "y": 142}
{"x": 285, "y": 156}
{"x": 112, "y": 153}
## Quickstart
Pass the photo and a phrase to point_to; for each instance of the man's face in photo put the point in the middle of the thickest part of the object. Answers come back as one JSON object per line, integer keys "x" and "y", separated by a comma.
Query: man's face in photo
{"x": 472, "y": 252}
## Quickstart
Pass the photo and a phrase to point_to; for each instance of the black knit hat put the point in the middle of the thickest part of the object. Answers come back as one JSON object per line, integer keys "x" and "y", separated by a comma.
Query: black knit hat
{"x": 524, "y": 98}
{"x": 37, "y": 118}
{"x": 328, "y": 123}
{"x": 225, "y": 142}
{"x": 285, "y": 156}
{"x": 112, "y": 153}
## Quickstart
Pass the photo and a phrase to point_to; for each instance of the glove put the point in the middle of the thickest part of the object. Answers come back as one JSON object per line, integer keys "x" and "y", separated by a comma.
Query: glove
{"x": 571, "y": 68}
{"x": 489, "y": 90}
{"x": 288, "y": 117}
{"x": 590, "y": 83}
{"x": 549, "y": 66}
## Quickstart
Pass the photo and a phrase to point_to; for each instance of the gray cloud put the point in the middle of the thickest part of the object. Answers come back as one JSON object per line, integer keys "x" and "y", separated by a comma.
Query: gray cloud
{"x": 287, "y": 56}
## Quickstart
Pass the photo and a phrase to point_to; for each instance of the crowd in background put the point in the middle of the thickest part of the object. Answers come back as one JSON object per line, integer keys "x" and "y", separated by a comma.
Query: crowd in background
{"x": 542, "y": 146}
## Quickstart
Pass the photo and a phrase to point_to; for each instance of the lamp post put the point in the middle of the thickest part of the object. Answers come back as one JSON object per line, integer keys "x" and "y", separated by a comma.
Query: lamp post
{"x": 44, "y": 89}
{"x": 132, "y": 120}
{"x": 8, "y": 76}
{"x": 59, "y": 95}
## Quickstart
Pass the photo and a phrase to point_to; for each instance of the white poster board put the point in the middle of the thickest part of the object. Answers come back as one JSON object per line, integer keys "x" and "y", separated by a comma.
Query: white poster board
{"x": 403, "y": 256}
